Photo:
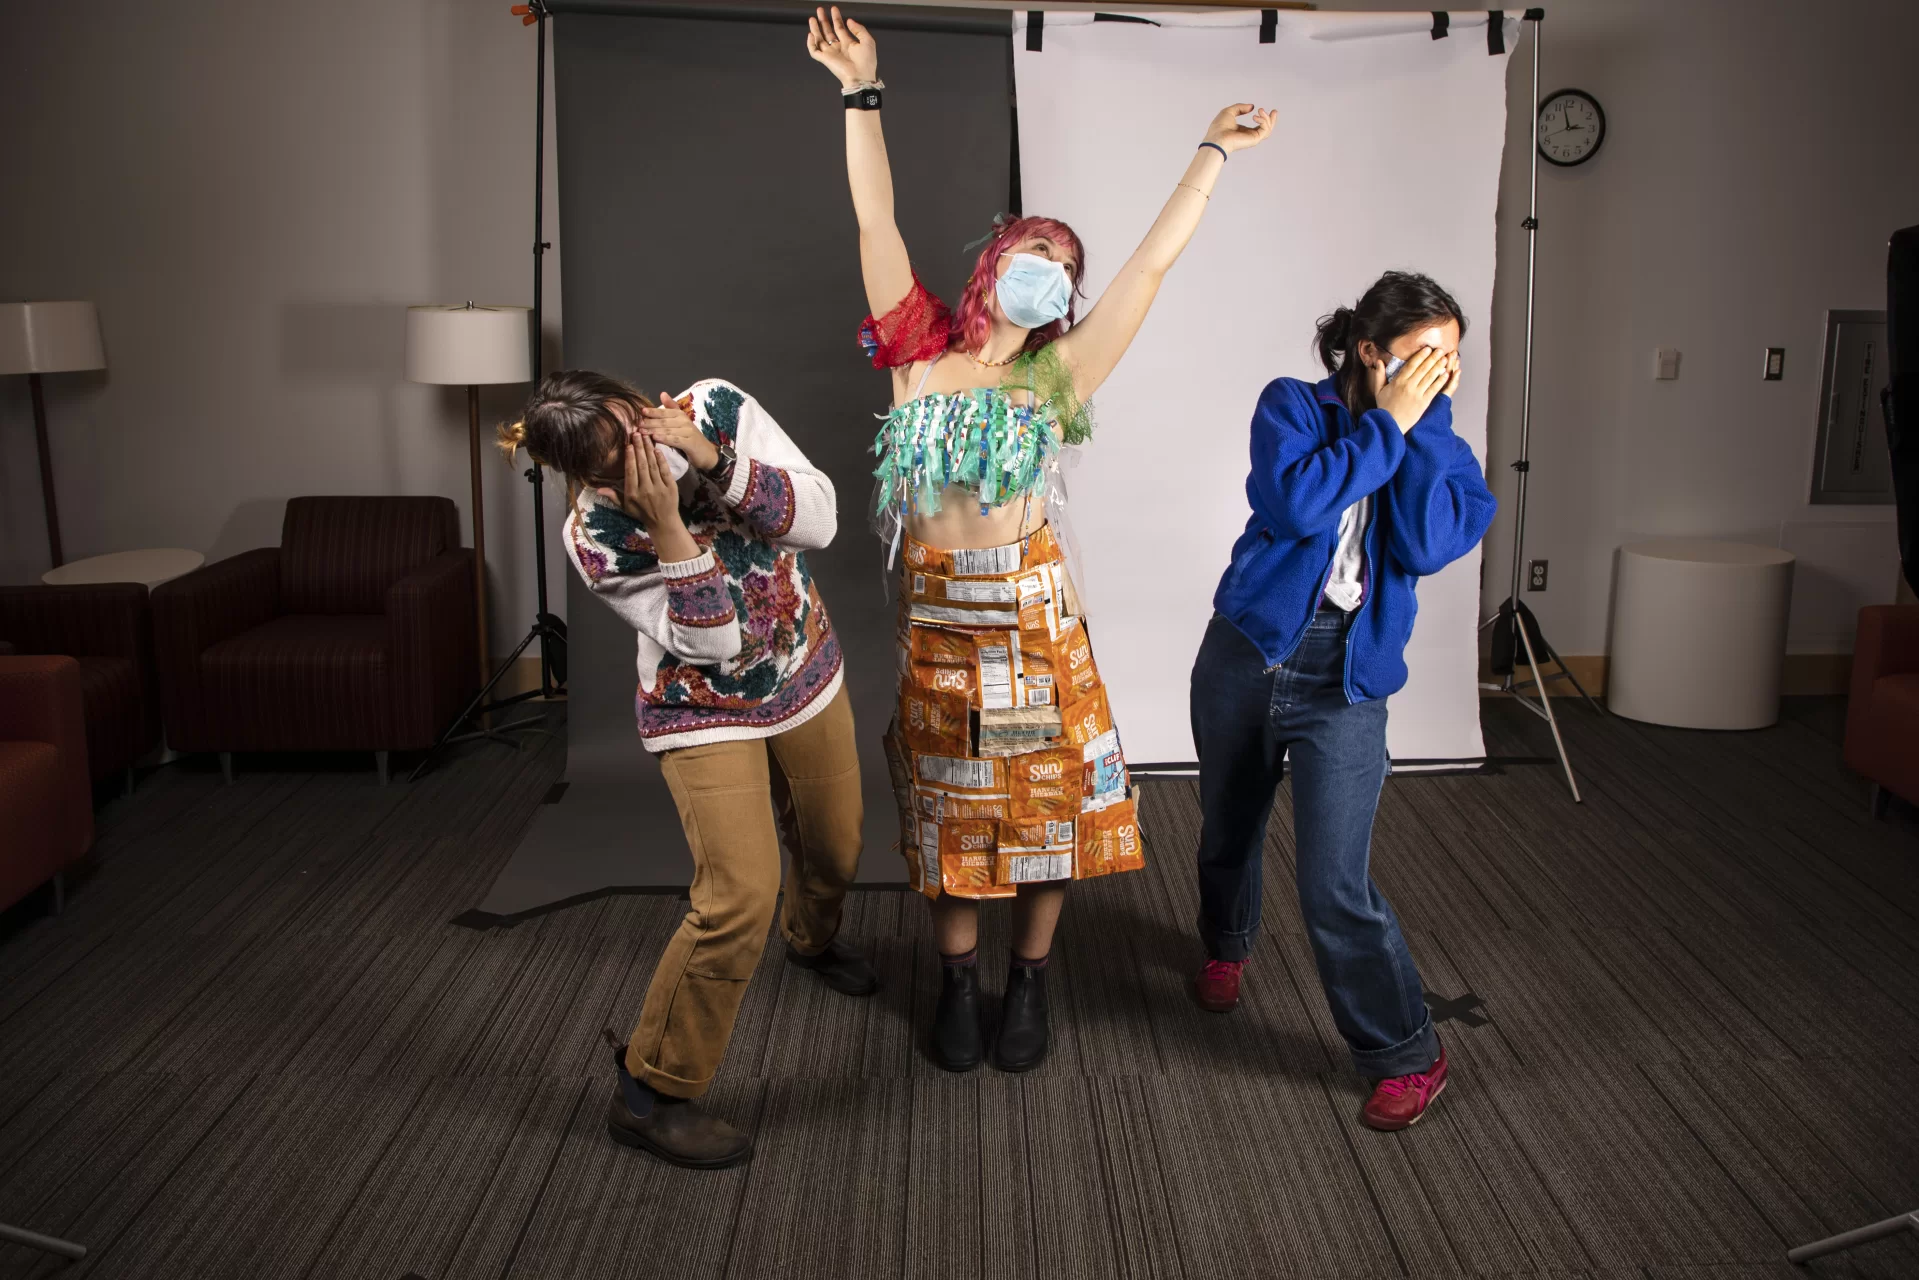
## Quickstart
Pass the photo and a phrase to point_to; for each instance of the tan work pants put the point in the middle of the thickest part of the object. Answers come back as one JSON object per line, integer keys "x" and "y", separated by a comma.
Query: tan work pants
{"x": 728, "y": 794}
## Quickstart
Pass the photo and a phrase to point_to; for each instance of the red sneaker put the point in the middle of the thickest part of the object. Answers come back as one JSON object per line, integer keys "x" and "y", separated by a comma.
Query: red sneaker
{"x": 1217, "y": 986}
{"x": 1400, "y": 1102}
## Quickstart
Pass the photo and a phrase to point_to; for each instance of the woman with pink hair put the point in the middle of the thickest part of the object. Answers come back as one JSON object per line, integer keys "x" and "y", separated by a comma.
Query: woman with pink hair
{"x": 1006, "y": 764}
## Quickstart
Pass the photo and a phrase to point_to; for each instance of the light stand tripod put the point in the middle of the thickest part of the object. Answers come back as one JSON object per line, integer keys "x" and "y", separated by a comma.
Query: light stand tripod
{"x": 1512, "y": 615}
{"x": 549, "y": 630}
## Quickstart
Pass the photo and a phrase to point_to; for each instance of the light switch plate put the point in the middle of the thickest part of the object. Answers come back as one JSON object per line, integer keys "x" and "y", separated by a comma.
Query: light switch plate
{"x": 1665, "y": 364}
{"x": 1775, "y": 363}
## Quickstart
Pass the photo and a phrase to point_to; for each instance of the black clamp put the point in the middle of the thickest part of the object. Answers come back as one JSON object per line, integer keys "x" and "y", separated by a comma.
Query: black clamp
{"x": 1441, "y": 21}
{"x": 1529, "y": 223}
{"x": 1522, "y": 465}
{"x": 1268, "y": 26}
{"x": 1035, "y": 30}
{"x": 1495, "y": 31}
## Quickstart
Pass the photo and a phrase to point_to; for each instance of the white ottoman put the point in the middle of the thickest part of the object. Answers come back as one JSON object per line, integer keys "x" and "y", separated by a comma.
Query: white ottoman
{"x": 148, "y": 568}
{"x": 1699, "y": 633}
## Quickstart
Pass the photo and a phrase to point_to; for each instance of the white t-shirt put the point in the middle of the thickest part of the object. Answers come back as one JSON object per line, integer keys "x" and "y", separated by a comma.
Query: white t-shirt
{"x": 1345, "y": 588}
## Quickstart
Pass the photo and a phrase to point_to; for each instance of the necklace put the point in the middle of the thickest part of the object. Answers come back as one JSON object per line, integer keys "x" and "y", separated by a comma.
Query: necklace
{"x": 993, "y": 364}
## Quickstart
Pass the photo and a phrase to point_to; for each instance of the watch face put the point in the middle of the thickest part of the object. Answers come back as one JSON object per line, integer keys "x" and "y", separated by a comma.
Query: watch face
{"x": 869, "y": 98}
{"x": 1571, "y": 127}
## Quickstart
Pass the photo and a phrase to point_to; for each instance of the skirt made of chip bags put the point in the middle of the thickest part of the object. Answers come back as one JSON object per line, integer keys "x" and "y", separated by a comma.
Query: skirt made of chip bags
{"x": 1005, "y": 763}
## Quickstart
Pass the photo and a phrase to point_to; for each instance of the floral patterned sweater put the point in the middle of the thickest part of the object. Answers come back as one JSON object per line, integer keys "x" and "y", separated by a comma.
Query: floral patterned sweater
{"x": 735, "y": 642}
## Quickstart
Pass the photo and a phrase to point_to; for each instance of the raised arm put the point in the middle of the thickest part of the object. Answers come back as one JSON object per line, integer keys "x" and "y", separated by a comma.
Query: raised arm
{"x": 846, "y": 48}
{"x": 1093, "y": 346}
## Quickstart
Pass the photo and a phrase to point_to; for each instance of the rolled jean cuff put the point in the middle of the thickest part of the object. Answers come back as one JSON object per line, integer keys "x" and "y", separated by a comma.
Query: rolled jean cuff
{"x": 662, "y": 1082}
{"x": 1417, "y": 1052}
{"x": 1226, "y": 945}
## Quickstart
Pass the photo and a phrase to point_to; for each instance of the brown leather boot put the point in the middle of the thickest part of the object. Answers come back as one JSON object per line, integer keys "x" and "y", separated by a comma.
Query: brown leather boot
{"x": 674, "y": 1129}
{"x": 678, "y": 1132}
{"x": 840, "y": 967}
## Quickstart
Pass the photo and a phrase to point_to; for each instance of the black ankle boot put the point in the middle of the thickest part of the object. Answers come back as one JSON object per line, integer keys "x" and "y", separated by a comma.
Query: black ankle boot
{"x": 1022, "y": 1025}
{"x": 956, "y": 1039}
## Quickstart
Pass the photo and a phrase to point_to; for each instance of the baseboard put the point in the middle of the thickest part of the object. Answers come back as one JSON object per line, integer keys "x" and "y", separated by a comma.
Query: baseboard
{"x": 1804, "y": 673}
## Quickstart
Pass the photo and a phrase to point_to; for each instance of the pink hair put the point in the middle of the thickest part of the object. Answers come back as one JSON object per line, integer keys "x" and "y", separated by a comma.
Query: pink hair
{"x": 973, "y": 320}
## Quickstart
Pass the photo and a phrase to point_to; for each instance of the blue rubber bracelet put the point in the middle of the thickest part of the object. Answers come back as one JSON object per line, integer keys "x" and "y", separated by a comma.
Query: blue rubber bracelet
{"x": 1215, "y": 146}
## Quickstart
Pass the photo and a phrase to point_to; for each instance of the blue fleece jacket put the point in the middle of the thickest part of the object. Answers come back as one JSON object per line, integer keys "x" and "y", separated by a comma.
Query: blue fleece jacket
{"x": 1312, "y": 460}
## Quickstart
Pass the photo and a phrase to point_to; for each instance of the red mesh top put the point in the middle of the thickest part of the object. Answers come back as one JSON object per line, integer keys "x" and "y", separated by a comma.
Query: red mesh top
{"x": 916, "y": 329}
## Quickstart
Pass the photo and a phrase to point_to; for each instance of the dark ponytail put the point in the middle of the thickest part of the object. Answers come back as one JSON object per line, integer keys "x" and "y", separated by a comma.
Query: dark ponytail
{"x": 1335, "y": 337}
{"x": 1399, "y": 303}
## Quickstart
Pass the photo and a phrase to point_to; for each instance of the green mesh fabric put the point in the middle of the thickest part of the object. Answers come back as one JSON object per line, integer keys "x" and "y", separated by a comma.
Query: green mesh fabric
{"x": 1052, "y": 385}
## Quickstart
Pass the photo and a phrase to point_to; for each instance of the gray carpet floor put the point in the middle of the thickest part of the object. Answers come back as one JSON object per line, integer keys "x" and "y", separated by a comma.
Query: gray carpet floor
{"x": 1684, "y": 1020}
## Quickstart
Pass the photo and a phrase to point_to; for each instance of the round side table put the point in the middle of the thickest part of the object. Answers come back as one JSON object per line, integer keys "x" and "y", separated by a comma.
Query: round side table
{"x": 148, "y": 568}
{"x": 1699, "y": 633}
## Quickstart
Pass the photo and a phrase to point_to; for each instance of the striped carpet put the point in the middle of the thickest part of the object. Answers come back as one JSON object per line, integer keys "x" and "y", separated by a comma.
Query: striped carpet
{"x": 1684, "y": 1020}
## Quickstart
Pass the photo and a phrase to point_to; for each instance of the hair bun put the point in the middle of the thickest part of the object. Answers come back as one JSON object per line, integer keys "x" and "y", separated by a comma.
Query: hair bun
{"x": 511, "y": 436}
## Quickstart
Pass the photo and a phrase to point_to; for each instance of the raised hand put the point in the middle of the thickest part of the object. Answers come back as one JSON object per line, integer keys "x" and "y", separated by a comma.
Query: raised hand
{"x": 1414, "y": 387}
{"x": 670, "y": 425}
{"x": 648, "y": 492}
{"x": 1226, "y": 131}
{"x": 843, "y": 47}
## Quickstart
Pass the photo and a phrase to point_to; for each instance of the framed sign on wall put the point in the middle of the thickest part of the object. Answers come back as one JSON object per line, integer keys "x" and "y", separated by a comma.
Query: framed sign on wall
{"x": 1852, "y": 463}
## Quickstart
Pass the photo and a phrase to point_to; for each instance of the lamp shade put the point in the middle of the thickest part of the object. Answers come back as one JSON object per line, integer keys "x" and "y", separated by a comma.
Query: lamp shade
{"x": 49, "y": 337}
{"x": 466, "y": 346}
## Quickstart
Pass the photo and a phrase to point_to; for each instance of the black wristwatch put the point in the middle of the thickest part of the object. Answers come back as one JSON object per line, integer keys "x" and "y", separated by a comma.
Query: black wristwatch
{"x": 721, "y": 472}
{"x": 866, "y": 98}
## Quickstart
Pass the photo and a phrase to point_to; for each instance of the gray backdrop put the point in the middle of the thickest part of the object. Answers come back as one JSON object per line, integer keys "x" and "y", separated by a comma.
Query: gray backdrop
{"x": 708, "y": 232}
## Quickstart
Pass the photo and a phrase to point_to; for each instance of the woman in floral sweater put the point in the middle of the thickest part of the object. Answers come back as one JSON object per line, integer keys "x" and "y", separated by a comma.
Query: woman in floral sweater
{"x": 691, "y": 518}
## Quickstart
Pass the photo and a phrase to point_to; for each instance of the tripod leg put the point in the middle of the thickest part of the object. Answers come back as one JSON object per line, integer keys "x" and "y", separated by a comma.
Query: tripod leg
{"x": 1847, "y": 1240}
{"x": 479, "y": 700}
{"x": 1545, "y": 702}
{"x": 46, "y": 1244}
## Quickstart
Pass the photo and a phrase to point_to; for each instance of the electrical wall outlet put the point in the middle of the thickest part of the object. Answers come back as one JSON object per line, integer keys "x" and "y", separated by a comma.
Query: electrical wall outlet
{"x": 1775, "y": 363}
{"x": 1536, "y": 575}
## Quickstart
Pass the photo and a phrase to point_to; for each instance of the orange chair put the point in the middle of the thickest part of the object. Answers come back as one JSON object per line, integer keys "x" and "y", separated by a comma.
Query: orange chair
{"x": 46, "y": 795}
{"x": 1882, "y": 715}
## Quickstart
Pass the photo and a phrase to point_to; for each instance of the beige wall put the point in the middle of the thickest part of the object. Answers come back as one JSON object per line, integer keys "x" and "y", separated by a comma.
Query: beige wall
{"x": 253, "y": 191}
{"x": 1749, "y": 181}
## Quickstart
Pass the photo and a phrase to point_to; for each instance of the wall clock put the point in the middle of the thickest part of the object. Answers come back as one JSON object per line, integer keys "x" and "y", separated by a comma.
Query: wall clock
{"x": 1571, "y": 127}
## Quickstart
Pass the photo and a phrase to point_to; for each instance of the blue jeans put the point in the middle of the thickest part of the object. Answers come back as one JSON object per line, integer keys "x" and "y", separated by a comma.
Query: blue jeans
{"x": 1245, "y": 719}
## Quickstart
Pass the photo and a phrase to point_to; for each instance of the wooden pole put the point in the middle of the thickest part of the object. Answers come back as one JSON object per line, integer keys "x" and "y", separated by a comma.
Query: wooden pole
{"x": 46, "y": 470}
{"x": 479, "y": 529}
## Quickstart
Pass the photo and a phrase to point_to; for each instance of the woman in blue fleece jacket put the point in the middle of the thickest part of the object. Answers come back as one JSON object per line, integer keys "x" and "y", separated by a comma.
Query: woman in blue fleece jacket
{"x": 1359, "y": 488}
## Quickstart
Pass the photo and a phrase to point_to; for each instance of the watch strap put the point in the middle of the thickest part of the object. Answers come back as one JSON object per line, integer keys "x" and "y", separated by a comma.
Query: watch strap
{"x": 864, "y": 98}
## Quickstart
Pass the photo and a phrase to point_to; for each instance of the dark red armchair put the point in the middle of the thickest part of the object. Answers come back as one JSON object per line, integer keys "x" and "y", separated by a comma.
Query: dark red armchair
{"x": 46, "y": 797}
{"x": 356, "y": 633}
{"x": 108, "y": 628}
{"x": 1882, "y": 715}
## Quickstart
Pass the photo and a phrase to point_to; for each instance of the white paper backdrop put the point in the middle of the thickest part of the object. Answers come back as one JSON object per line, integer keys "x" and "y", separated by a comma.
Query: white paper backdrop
{"x": 1386, "y": 154}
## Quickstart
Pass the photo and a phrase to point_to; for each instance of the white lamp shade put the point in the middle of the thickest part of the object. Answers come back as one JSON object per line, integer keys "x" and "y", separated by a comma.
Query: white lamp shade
{"x": 466, "y": 346}
{"x": 49, "y": 337}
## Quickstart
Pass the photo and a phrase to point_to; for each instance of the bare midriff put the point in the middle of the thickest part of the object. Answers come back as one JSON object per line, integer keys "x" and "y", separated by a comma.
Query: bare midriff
{"x": 959, "y": 526}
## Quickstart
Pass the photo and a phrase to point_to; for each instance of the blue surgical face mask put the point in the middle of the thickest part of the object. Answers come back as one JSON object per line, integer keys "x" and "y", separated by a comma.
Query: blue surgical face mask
{"x": 1035, "y": 291}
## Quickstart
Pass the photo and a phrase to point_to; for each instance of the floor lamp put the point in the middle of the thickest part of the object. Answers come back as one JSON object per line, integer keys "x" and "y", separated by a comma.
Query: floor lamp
{"x": 48, "y": 337}
{"x": 472, "y": 347}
